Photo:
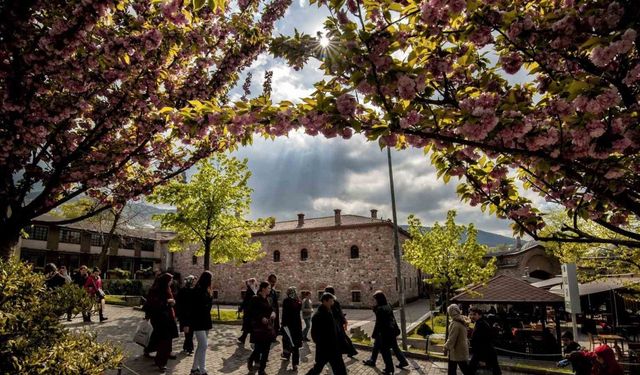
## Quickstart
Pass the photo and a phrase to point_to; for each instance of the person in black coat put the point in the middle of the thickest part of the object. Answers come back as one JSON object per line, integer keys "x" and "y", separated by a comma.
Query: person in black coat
{"x": 482, "y": 343}
{"x": 198, "y": 319}
{"x": 385, "y": 333}
{"x": 183, "y": 301}
{"x": 291, "y": 327}
{"x": 251, "y": 288}
{"x": 345, "y": 342}
{"x": 263, "y": 333}
{"x": 273, "y": 299}
{"x": 79, "y": 279}
{"x": 325, "y": 332}
{"x": 53, "y": 278}
{"x": 159, "y": 310}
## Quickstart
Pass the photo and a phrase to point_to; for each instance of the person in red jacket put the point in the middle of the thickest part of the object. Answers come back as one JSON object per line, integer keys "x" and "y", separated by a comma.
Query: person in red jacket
{"x": 93, "y": 286}
{"x": 603, "y": 359}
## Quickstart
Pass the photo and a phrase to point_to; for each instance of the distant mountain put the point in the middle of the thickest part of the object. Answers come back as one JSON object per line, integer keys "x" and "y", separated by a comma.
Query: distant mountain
{"x": 484, "y": 238}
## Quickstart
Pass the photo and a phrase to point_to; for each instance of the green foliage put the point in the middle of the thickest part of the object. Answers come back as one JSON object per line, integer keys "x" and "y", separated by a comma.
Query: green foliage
{"x": 441, "y": 253}
{"x": 226, "y": 315}
{"x": 120, "y": 273}
{"x": 210, "y": 211}
{"x": 593, "y": 260}
{"x": 126, "y": 287}
{"x": 32, "y": 339}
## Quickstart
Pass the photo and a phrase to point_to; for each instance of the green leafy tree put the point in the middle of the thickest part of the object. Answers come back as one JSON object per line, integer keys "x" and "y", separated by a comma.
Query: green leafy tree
{"x": 32, "y": 339}
{"x": 210, "y": 211}
{"x": 594, "y": 260}
{"x": 449, "y": 254}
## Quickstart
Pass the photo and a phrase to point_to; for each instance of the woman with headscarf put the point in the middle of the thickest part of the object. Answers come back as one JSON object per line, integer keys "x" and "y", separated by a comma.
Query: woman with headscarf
{"x": 159, "y": 310}
{"x": 199, "y": 319}
{"x": 603, "y": 359}
{"x": 457, "y": 346}
{"x": 251, "y": 288}
{"x": 292, "y": 327}
{"x": 262, "y": 317}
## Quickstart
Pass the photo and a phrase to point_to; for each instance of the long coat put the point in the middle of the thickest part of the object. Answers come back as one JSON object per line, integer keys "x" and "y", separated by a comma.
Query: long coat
{"x": 261, "y": 308}
{"x": 482, "y": 338}
{"x": 273, "y": 300}
{"x": 161, "y": 315}
{"x": 385, "y": 329}
{"x": 291, "y": 319}
{"x": 457, "y": 344}
{"x": 199, "y": 310}
{"x": 325, "y": 333}
{"x": 244, "y": 307}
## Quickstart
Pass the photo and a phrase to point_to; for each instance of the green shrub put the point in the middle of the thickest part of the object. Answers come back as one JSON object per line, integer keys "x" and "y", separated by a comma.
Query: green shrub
{"x": 119, "y": 273}
{"x": 32, "y": 339}
{"x": 124, "y": 287}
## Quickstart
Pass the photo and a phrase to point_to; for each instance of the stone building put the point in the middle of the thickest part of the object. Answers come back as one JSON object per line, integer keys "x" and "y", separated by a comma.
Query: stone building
{"x": 352, "y": 253}
{"x": 528, "y": 260}
{"x": 76, "y": 244}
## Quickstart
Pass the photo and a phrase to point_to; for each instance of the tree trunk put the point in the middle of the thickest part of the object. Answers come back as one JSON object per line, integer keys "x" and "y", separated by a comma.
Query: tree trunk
{"x": 207, "y": 254}
{"x": 104, "y": 252}
{"x": 9, "y": 237}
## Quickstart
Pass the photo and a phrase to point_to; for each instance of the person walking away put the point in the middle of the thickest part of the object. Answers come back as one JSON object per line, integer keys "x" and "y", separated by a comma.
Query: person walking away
{"x": 273, "y": 300}
{"x": 262, "y": 332}
{"x": 80, "y": 279}
{"x": 345, "y": 342}
{"x": 456, "y": 347}
{"x": 292, "y": 327}
{"x": 580, "y": 364}
{"x": 307, "y": 312}
{"x": 385, "y": 333}
{"x": 482, "y": 344}
{"x": 325, "y": 332}
{"x": 159, "y": 310}
{"x": 199, "y": 320}
{"x": 63, "y": 272}
{"x": 93, "y": 286}
{"x": 183, "y": 303}
{"x": 603, "y": 360}
{"x": 251, "y": 288}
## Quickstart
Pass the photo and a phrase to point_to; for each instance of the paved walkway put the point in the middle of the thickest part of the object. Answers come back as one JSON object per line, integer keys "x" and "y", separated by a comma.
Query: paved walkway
{"x": 224, "y": 356}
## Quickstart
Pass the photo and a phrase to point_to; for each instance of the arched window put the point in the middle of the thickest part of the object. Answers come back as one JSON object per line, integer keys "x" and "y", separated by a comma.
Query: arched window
{"x": 276, "y": 256}
{"x": 355, "y": 252}
{"x": 304, "y": 254}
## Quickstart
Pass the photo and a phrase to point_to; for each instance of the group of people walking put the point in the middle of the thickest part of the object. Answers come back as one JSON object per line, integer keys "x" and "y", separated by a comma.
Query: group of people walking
{"x": 92, "y": 283}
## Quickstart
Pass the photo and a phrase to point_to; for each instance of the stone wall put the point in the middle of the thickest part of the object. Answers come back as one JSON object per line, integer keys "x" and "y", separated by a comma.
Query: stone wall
{"x": 329, "y": 263}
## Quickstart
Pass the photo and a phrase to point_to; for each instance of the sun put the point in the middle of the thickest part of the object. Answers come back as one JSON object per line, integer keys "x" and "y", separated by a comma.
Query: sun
{"x": 324, "y": 42}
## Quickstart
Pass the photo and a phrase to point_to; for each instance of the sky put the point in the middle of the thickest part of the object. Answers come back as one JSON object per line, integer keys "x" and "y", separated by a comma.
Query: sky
{"x": 315, "y": 175}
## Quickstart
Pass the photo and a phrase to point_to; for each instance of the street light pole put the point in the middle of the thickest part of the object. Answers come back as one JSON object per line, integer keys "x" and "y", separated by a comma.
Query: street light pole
{"x": 397, "y": 251}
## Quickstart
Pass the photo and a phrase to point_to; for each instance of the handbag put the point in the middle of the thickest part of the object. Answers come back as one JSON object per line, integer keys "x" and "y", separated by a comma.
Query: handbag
{"x": 143, "y": 333}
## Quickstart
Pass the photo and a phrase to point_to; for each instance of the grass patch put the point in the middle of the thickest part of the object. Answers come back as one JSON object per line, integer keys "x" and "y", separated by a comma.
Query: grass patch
{"x": 437, "y": 325}
{"x": 362, "y": 341}
{"x": 115, "y": 300}
{"x": 226, "y": 315}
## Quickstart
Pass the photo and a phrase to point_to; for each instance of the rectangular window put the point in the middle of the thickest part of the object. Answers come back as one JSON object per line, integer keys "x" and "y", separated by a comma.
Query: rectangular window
{"x": 147, "y": 245}
{"x": 194, "y": 260}
{"x": 320, "y": 293}
{"x": 355, "y": 296}
{"x": 97, "y": 239}
{"x": 127, "y": 242}
{"x": 38, "y": 232}
{"x": 215, "y": 294}
{"x": 69, "y": 236}
{"x": 396, "y": 284}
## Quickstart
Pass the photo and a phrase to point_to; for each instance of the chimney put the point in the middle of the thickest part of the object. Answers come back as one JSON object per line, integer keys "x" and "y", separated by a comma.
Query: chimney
{"x": 374, "y": 214}
{"x": 337, "y": 216}
{"x": 300, "y": 220}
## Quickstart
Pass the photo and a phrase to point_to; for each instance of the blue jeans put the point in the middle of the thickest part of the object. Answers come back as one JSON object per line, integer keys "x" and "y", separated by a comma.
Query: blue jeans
{"x": 201, "y": 352}
{"x": 307, "y": 327}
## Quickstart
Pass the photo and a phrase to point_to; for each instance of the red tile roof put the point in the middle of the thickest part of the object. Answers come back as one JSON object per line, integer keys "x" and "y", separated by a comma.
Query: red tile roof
{"x": 507, "y": 289}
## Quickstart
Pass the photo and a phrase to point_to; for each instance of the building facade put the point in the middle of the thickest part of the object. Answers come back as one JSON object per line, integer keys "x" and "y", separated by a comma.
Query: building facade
{"x": 80, "y": 243}
{"x": 529, "y": 260}
{"x": 354, "y": 254}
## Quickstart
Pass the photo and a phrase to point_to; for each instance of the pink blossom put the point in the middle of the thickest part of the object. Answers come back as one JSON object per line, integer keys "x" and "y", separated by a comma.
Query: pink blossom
{"x": 614, "y": 173}
{"x": 481, "y": 36}
{"x": 411, "y": 119}
{"x": 346, "y": 105}
{"x": 406, "y": 87}
{"x": 596, "y": 128}
{"x": 511, "y": 62}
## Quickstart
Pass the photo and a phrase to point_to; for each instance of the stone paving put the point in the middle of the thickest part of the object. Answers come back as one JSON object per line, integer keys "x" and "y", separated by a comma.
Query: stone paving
{"x": 224, "y": 355}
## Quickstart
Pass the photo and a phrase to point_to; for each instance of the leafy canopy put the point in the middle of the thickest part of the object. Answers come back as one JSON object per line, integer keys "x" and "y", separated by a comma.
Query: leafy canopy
{"x": 448, "y": 253}
{"x": 210, "y": 211}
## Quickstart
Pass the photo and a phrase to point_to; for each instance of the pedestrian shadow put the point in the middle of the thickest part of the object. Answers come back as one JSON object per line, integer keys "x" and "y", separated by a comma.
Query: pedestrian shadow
{"x": 236, "y": 360}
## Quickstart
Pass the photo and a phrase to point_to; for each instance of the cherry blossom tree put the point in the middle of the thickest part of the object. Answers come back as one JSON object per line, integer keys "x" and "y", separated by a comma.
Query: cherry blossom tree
{"x": 90, "y": 92}
{"x": 508, "y": 96}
